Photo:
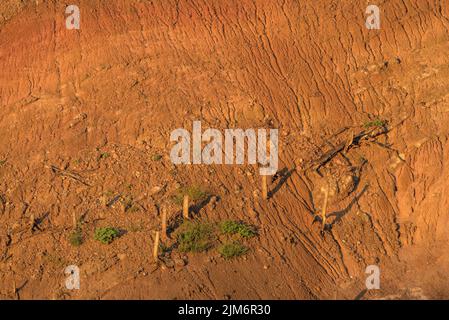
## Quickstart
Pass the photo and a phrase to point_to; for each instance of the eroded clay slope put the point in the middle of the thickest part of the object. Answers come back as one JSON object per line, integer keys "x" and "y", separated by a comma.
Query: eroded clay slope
{"x": 136, "y": 70}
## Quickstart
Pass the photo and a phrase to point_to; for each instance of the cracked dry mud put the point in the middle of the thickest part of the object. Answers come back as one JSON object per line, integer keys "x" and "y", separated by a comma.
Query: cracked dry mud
{"x": 84, "y": 113}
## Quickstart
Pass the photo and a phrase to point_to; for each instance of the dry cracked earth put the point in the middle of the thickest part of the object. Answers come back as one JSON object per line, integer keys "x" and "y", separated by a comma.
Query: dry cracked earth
{"x": 85, "y": 124}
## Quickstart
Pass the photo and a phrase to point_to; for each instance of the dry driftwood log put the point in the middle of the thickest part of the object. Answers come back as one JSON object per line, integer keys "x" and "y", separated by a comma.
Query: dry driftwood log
{"x": 363, "y": 135}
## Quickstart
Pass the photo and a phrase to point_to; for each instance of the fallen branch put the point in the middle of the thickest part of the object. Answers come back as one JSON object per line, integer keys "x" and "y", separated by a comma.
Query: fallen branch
{"x": 68, "y": 174}
{"x": 345, "y": 146}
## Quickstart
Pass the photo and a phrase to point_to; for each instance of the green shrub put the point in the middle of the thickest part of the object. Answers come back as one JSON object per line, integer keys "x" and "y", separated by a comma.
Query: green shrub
{"x": 195, "y": 193}
{"x": 375, "y": 123}
{"x": 106, "y": 235}
{"x": 156, "y": 157}
{"x": 232, "y": 249}
{"x": 104, "y": 155}
{"x": 195, "y": 236}
{"x": 230, "y": 227}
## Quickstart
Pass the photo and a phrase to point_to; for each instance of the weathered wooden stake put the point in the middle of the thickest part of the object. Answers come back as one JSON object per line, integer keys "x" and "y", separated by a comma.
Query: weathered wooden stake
{"x": 14, "y": 288}
{"x": 32, "y": 222}
{"x": 164, "y": 223}
{"x": 156, "y": 247}
{"x": 185, "y": 207}
{"x": 74, "y": 220}
{"x": 264, "y": 188}
{"x": 323, "y": 210}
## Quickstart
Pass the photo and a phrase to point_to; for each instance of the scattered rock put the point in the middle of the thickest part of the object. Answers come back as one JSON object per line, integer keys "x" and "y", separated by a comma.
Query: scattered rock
{"x": 155, "y": 190}
{"x": 169, "y": 263}
{"x": 153, "y": 267}
{"x": 212, "y": 202}
{"x": 237, "y": 189}
{"x": 223, "y": 190}
{"x": 179, "y": 262}
{"x": 252, "y": 212}
{"x": 103, "y": 201}
{"x": 121, "y": 256}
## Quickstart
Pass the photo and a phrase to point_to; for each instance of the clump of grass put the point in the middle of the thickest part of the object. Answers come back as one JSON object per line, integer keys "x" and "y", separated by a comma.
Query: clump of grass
{"x": 108, "y": 193}
{"x": 376, "y": 123}
{"x": 106, "y": 235}
{"x": 163, "y": 248}
{"x": 230, "y": 227}
{"x": 195, "y": 193}
{"x": 76, "y": 237}
{"x": 156, "y": 157}
{"x": 54, "y": 259}
{"x": 195, "y": 236}
{"x": 129, "y": 204}
{"x": 2, "y": 162}
{"x": 232, "y": 250}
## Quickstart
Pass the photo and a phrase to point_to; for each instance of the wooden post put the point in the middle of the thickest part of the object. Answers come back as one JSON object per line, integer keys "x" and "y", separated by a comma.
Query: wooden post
{"x": 264, "y": 188}
{"x": 74, "y": 220}
{"x": 185, "y": 207}
{"x": 323, "y": 210}
{"x": 14, "y": 288}
{"x": 156, "y": 247}
{"x": 32, "y": 222}
{"x": 164, "y": 223}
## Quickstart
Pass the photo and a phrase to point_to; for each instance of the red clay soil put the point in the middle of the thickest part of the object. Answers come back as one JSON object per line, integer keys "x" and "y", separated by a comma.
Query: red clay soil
{"x": 85, "y": 114}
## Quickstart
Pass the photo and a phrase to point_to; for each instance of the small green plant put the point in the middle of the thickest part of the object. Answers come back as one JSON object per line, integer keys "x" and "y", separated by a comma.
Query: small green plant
{"x": 76, "y": 237}
{"x": 230, "y": 227}
{"x": 129, "y": 204}
{"x": 156, "y": 157}
{"x": 106, "y": 235}
{"x": 195, "y": 193}
{"x": 2, "y": 162}
{"x": 104, "y": 155}
{"x": 376, "y": 123}
{"x": 232, "y": 249}
{"x": 195, "y": 236}
{"x": 108, "y": 193}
